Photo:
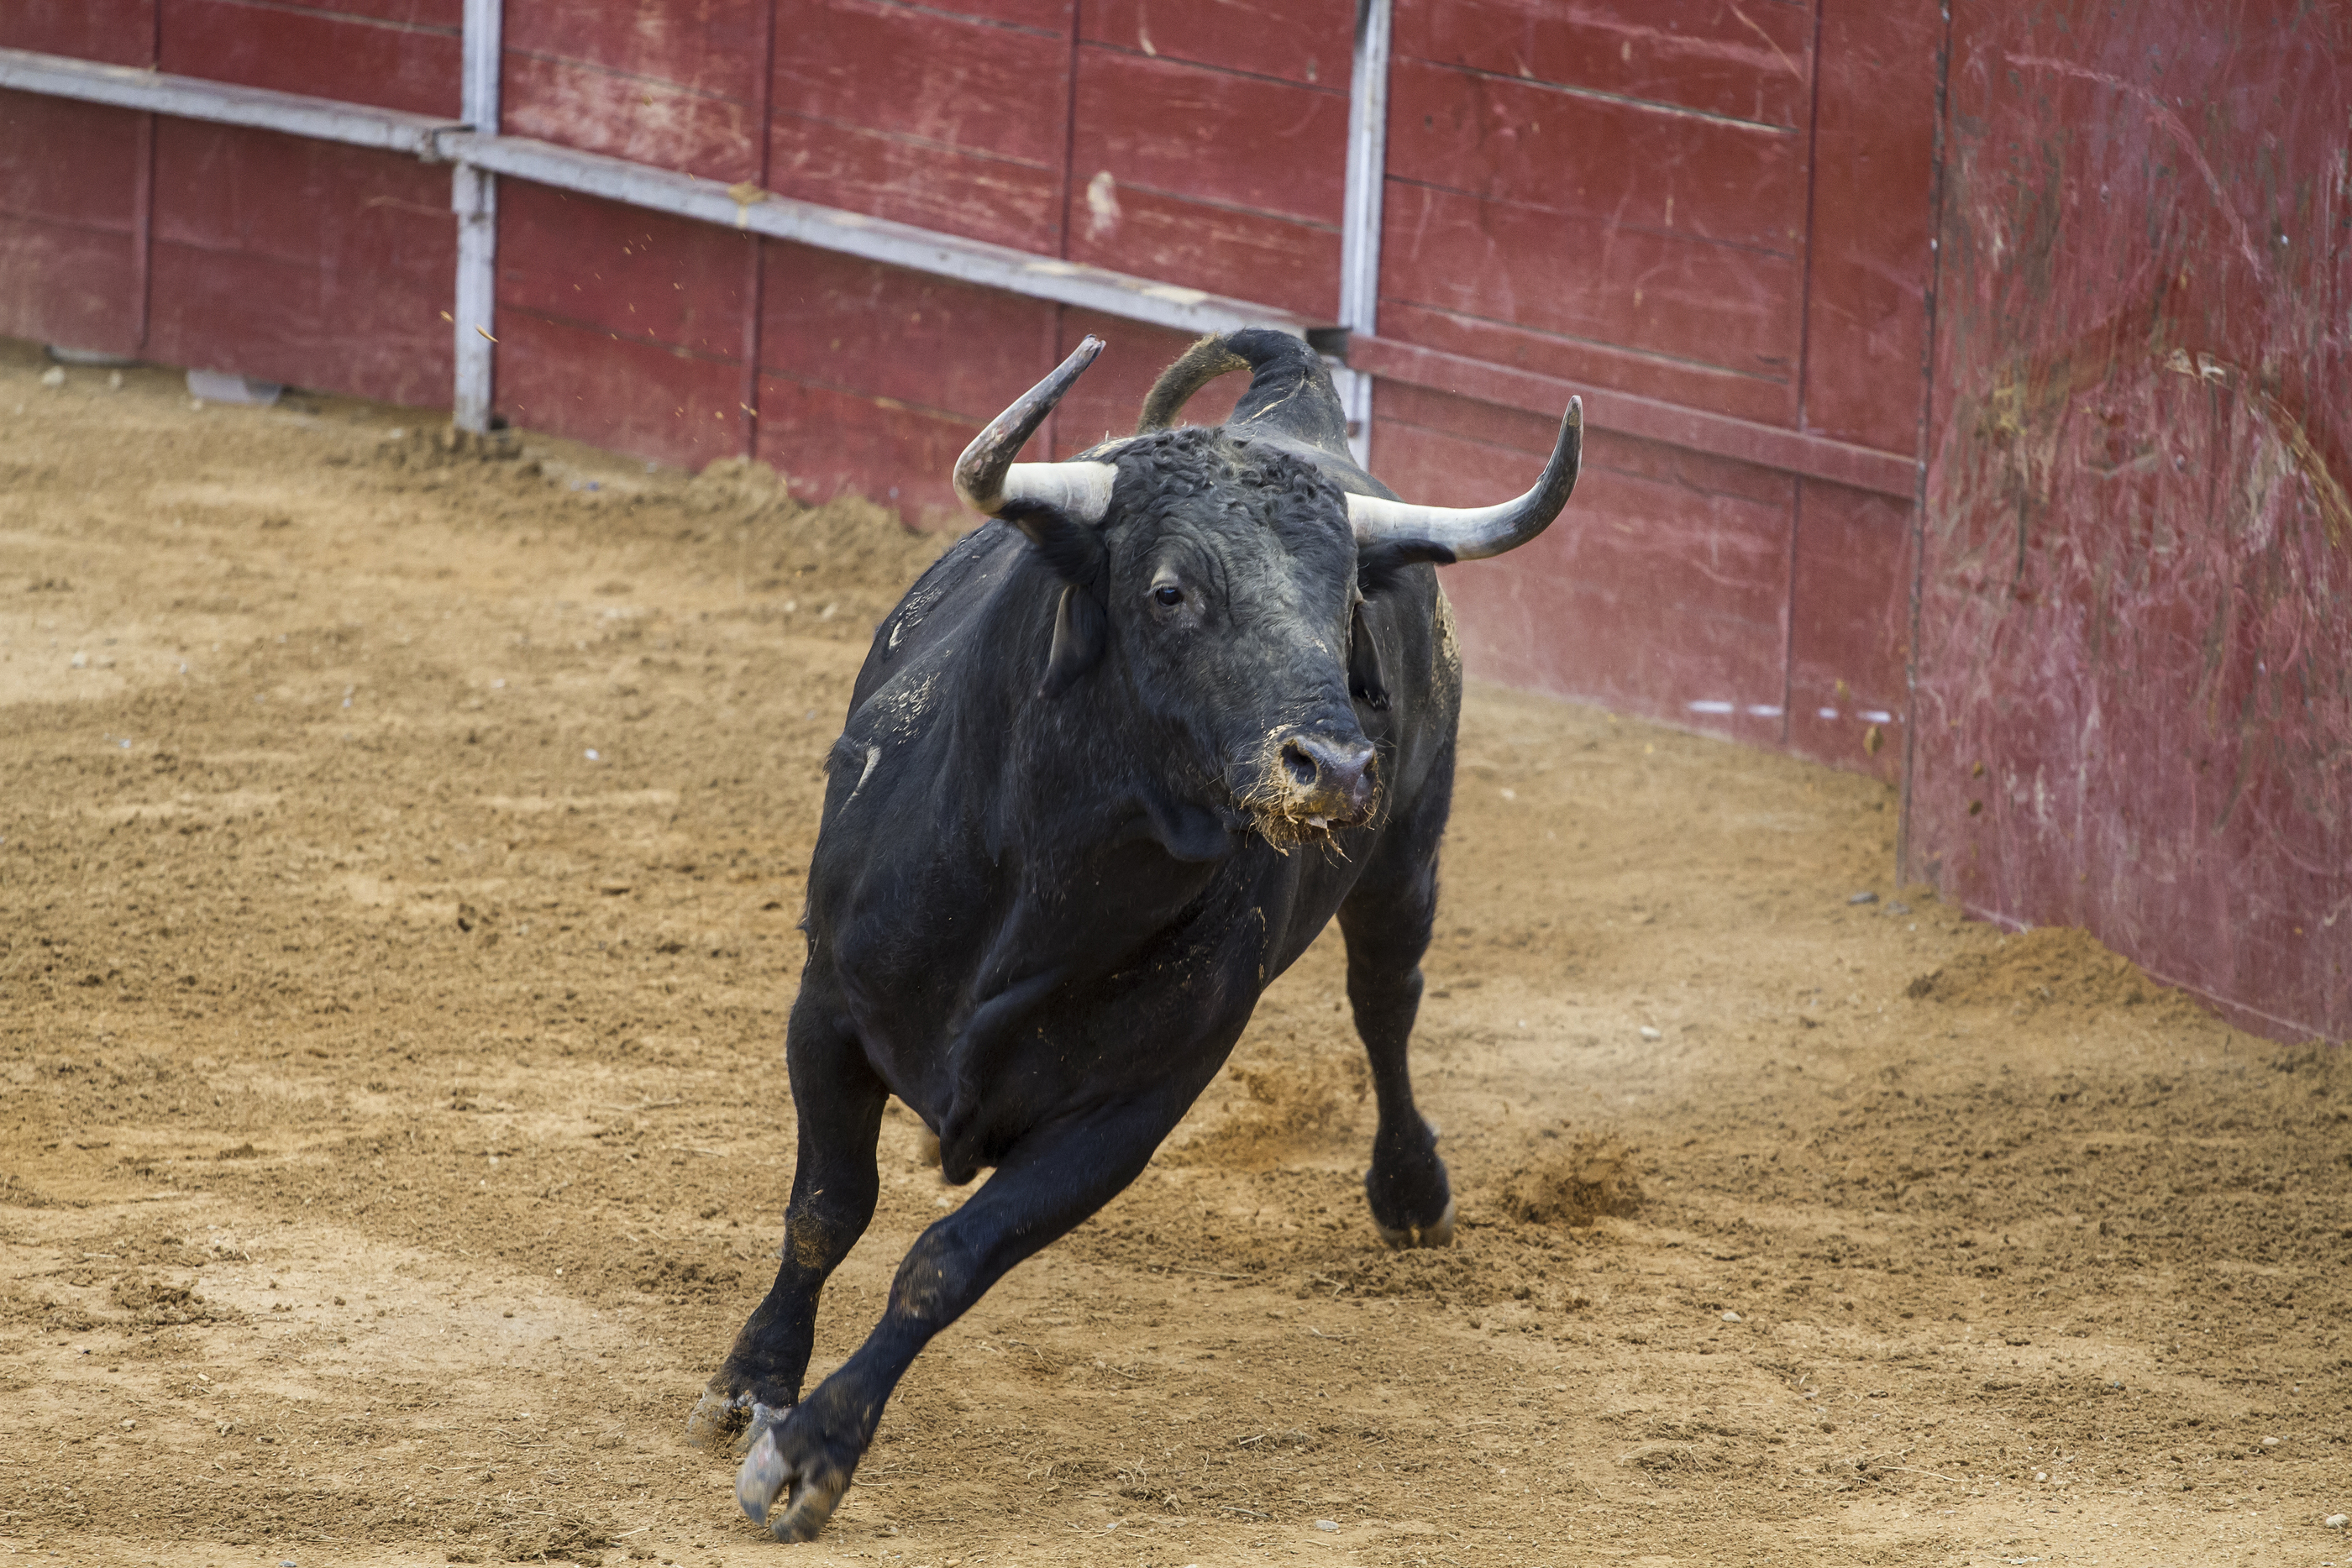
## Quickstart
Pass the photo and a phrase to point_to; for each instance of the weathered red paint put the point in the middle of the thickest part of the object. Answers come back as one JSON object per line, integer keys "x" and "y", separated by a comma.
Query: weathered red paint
{"x": 2125, "y": 597}
{"x": 2135, "y": 698}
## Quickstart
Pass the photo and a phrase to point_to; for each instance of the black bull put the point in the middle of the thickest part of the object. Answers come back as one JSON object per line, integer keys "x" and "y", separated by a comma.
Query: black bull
{"x": 1107, "y": 771}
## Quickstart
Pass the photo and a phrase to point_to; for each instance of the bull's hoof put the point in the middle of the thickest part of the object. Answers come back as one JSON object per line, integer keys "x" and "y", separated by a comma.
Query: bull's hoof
{"x": 1438, "y": 1232}
{"x": 788, "y": 1482}
{"x": 723, "y": 1422}
{"x": 717, "y": 1418}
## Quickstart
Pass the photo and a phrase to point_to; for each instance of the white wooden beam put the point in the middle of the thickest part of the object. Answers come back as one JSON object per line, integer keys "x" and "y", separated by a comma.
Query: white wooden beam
{"x": 474, "y": 196}
{"x": 1360, "y": 222}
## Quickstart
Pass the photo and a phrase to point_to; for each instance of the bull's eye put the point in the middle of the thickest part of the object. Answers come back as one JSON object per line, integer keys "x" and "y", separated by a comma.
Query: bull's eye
{"x": 1168, "y": 593}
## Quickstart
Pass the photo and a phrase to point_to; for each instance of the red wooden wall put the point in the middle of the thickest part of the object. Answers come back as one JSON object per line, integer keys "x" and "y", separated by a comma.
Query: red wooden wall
{"x": 2087, "y": 263}
{"x": 2134, "y": 698}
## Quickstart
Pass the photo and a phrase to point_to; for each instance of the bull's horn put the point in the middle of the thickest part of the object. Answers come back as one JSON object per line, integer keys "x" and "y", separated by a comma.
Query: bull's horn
{"x": 987, "y": 477}
{"x": 1470, "y": 533}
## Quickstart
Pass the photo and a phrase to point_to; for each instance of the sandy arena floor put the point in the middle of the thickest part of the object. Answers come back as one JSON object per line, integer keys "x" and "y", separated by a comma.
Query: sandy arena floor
{"x": 399, "y": 852}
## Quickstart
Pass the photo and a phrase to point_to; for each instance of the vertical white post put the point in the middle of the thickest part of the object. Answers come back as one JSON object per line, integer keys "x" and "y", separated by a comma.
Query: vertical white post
{"x": 474, "y": 195}
{"x": 1359, "y": 225}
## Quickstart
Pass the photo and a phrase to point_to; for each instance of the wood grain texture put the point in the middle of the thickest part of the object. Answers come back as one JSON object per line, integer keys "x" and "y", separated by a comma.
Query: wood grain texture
{"x": 1866, "y": 332}
{"x": 940, "y": 80}
{"x": 2136, "y": 606}
{"x": 1850, "y": 630}
{"x": 1743, "y": 62}
{"x": 68, "y": 283}
{"x": 1600, "y": 161}
{"x": 117, "y": 32}
{"x": 617, "y": 269}
{"x": 697, "y": 121}
{"x": 1218, "y": 250}
{"x": 301, "y": 262}
{"x": 408, "y": 61}
{"x": 574, "y": 381}
{"x": 831, "y": 442}
{"x": 870, "y": 331}
{"x": 1309, "y": 43}
{"x": 1706, "y": 318}
{"x": 1211, "y": 135}
{"x": 91, "y": 189}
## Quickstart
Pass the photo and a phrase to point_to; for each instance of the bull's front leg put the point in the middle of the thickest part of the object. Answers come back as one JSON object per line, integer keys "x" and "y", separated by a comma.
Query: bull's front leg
{"x": 802, "y": 1462}
{"x": 837, "y": 1101}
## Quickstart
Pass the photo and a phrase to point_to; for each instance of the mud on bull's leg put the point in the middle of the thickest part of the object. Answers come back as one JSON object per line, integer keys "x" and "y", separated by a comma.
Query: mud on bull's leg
{"x": 802, "y": 1462}
{"x": 839, "y": 1103}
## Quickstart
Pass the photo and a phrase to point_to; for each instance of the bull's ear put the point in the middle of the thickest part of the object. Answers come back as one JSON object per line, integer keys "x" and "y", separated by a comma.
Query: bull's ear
{"x": 1074, "y": 549}
{"x": 1078, "y": 628}
{"x": 1366, "y": 680}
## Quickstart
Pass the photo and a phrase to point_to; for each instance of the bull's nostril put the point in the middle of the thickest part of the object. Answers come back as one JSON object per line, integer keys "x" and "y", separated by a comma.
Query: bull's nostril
{"x": 1299, "y": 766}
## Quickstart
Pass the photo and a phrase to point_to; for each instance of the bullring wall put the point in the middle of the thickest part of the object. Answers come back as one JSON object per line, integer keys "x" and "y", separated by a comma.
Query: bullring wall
{"x": 1957, "y": 381}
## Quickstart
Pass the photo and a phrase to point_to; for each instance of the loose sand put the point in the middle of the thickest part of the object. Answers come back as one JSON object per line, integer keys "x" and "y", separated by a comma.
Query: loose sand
{"x": 400, "y": 849}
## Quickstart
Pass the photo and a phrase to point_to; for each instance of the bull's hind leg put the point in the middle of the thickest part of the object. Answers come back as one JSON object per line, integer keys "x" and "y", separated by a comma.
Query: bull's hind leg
{"x": 838, "y": 1101}
{"x": 1387, "y": 922}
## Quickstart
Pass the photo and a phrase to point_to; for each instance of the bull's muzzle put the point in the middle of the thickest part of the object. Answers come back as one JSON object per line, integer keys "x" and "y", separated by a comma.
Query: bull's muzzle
{"x": 1328, "y": 781}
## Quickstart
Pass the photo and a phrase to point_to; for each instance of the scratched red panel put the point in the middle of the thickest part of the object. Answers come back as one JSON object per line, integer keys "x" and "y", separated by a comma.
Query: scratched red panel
{"x": 407, "y": 62}
{"x": 77, "y": 161}
{"x": 1745, "y": 62}
{"x": 1850, "y": 633}
{"x": 66, "y": 284}
{"x": 882, "y": 331}
{"x": 666, "y": 124}
{"x": 942, "y": 82}
{"x": 1270, "y": 261}
{"x": 118, "y": 32}
{"x": 1602, "y": 160}
{"x": 637, "y": 397}
{"x": 1660, "y": 590}
{"x": 302, "y": 262}
{"x": 831, "y": 442}
{"x": 2135, "y": 605}
{"x": 978, "y": 195}
{"x": 1211, "y": 135}
{"x": 1866, "y": 336}
{"x": 1309, "y": 42}
{"x": 621, "y": 270}
{"x": 1707, "y": 324}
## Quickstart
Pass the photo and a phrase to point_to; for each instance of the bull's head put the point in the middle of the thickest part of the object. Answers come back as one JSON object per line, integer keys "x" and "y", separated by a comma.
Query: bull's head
{"x": 1217, "y": 573}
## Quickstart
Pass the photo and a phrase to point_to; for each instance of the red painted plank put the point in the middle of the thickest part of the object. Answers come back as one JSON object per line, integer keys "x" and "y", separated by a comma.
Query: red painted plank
{"x": 1309, "y": 42}
{"x": 397, "y": 64}
{"x": 1649, "y": 419}
{"x": 2136, "y": 606}
{"x": 1746, "y": 62}
{"x": 1866, "y": 336}
{"x": 73, "y": 164}
{"x": 710, "y": 46}
{"x": 118, "y": 32}
{"x": 68, "y": 283}
{"x": 660, "y": 403}
{"x": 1850, "y": 636}
{"x": 302, "y": 261}
{"x": 940, "y": 82}
{"x": 829, "y": 442}
{"x": 1649, "y": 596}
{"x": 978, "y": 195}
{"x": 1602, "y": 160}
{"x": 1273, "y": 261}
{"x": 624, "y": 116}
{"x": 880, "y": 331}
{"x": 617, "y": 269}
{"x": 1719, "y": 322}
{"x": 1211, "y": 135}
